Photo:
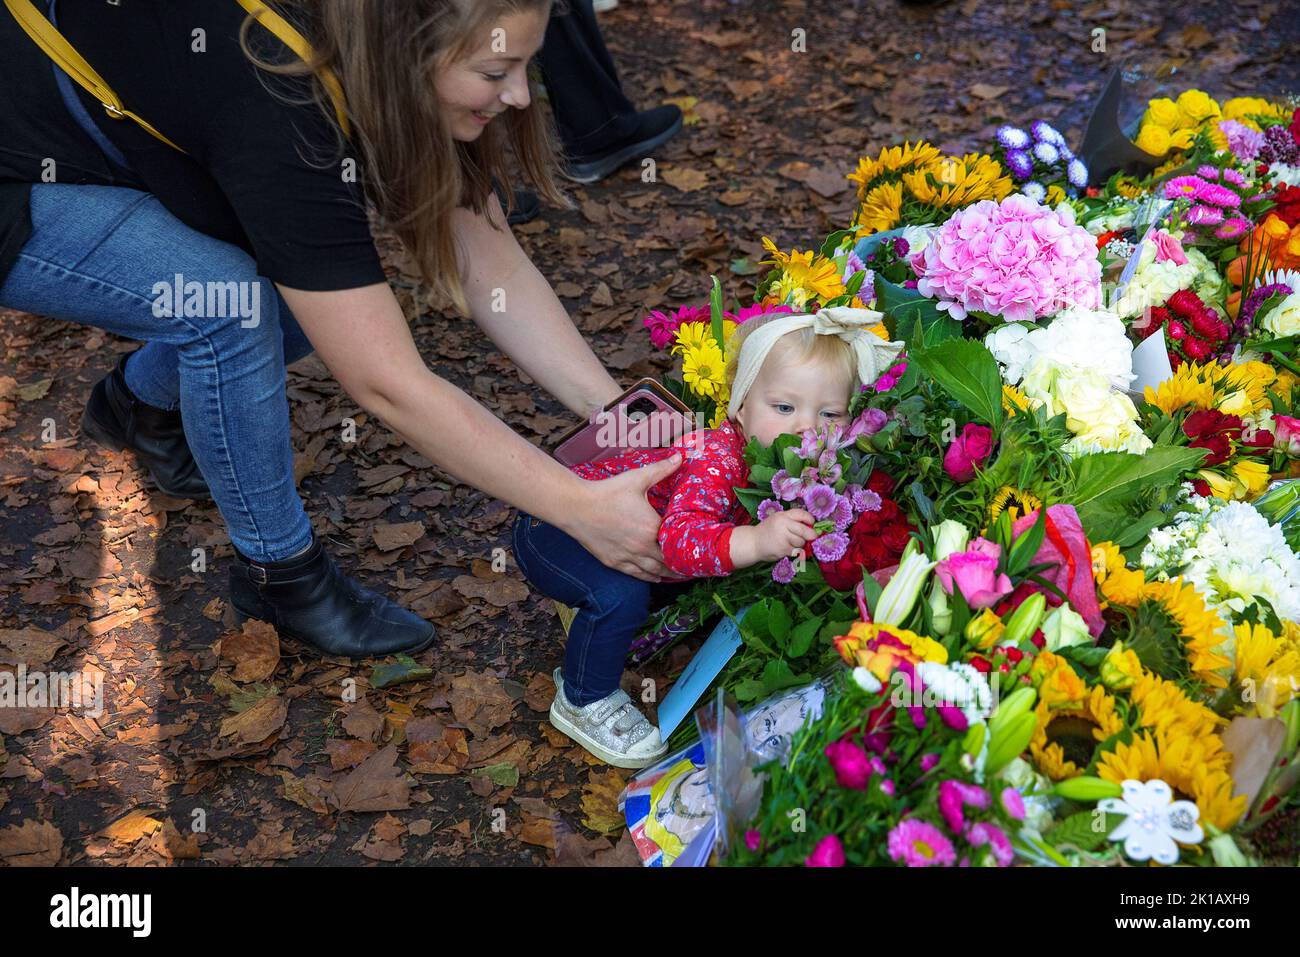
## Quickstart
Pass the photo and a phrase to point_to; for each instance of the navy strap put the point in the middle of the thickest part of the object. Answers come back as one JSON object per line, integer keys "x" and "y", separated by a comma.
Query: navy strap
{"x": 78, "y": 110}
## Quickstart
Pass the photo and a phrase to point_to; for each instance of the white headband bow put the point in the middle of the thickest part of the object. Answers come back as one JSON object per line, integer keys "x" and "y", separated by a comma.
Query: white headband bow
{"x": 853, "y": 325}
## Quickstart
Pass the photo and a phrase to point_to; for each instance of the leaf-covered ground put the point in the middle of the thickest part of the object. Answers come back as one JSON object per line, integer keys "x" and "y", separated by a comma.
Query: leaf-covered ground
{"x": 216, "y": 745}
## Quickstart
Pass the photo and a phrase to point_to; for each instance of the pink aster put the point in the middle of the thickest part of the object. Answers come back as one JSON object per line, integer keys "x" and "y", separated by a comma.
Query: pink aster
{"x": 820, "y": 500}
{"x": 830, "y": 547}
{"x": 1200, "y": 215}
{"x": 1218, "y": 195}
{"x": 920, "y": 844}
{"x": 1233, "y": 228}
{"x": 992, "y": 835}
{"x": 1183, "y": 187}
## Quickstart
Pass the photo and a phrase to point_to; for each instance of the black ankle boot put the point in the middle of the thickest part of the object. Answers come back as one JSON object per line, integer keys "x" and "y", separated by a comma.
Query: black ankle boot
{"x": 308, "y": 599}
{"x": 117, "y": 419}
{"x": 654, "y": 127}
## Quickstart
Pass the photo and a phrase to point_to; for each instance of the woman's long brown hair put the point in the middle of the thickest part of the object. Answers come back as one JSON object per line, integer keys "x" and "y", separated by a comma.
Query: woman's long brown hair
{"x": 385, "y": 54}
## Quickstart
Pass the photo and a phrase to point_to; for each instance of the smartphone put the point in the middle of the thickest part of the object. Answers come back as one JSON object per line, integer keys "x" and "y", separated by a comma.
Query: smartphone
{"x": 626, "y": 423}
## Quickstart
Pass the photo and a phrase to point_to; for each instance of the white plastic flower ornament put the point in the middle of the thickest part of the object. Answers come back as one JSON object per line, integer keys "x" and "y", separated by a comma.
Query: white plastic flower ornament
{"x": 1153, "y": 821}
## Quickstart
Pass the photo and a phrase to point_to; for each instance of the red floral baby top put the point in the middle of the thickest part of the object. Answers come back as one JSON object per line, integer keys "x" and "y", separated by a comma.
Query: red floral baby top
{"x": 698, "y": 506}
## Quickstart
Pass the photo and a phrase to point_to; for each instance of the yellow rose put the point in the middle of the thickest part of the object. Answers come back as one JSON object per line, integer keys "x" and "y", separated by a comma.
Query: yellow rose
{"x": 1182, "y": 139}
{"x": 1163, "y": 112}
{"x": 1195, "y": 107}
{"x": 1237, "y": 403}
{"x": 1222, "y": 486}
{"x": 1153, "y": 139}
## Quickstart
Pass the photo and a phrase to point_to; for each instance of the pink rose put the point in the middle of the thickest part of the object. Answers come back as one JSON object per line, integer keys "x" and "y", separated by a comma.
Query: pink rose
{"x": 975, "y": 573}
{"x": 968, "y": 452}
{"x": 829, "y": 852}
{"x": 852, "y": 765}
{"x": 1167, "y": 247}
{"x": 1286, "y": 435}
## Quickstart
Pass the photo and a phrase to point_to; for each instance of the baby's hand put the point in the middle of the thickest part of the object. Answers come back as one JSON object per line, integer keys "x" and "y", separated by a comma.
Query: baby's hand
{"x": 783, "y": 534}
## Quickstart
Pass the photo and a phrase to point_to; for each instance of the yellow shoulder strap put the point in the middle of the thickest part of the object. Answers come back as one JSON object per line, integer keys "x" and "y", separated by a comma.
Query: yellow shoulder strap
{"x": 58, "y": 49}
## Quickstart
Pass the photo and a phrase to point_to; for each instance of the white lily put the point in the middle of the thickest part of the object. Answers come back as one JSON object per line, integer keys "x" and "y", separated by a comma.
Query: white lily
{"x": 899, "y": 597}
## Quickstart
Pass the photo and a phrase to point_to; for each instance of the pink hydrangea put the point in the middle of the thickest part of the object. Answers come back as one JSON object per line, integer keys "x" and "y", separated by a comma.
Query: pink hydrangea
{"x": 1016, "y": 259}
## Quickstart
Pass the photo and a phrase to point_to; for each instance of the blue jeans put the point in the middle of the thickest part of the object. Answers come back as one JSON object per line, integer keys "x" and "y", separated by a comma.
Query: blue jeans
{"x": 102, "y": 256}
{"x": 612, "y": 606}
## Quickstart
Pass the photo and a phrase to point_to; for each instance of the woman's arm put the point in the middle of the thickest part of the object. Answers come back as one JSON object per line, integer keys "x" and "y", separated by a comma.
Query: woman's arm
{"x": 516, "y": 308}
{"x": 362, "y": 337}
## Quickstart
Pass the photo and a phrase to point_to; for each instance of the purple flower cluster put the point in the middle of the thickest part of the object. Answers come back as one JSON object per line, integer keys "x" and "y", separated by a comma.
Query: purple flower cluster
{"x": 1244, "y": 142}
{"x": 1040, "y": 157}
{"x": 1279, "y": 147}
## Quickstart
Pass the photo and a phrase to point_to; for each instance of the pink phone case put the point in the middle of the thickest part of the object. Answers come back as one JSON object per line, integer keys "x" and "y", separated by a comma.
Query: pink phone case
{"x": 604, "y": 437}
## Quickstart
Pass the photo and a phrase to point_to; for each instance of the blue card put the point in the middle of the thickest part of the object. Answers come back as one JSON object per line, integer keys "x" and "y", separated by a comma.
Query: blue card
{"x": 699, "y": 674}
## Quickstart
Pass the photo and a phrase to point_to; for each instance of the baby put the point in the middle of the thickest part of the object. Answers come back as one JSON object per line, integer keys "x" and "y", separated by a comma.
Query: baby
{"x": 786, "y": 374}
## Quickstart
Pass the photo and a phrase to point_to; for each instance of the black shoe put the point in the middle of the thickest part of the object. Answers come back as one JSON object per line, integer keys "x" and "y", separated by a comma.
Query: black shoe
{"x": 654, "y": 128}
{"x": 527, "y": 205}
{"x": 117, "y": 419}
{"x": 308, "y": 599}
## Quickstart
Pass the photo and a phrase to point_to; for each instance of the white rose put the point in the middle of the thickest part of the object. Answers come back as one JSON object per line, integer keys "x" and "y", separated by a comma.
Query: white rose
{"x": 1284, "y": 318}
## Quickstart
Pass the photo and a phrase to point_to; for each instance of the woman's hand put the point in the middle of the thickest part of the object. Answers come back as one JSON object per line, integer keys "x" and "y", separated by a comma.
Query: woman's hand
{"x": 614, "y": 521}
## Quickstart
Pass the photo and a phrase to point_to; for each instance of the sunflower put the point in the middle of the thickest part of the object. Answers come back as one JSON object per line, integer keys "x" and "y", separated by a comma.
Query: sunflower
{"x": 1164, "y": 707}
{"x": 1184, "y": 763}
{"x": 892, "y": 161}
{"x": 1186, "y": 388}
{"x": 1200, "y": 627}
{"x": 702, "y": 369}
{"x": 950, "y": 182}
{"x": 880, "y": 209}
{"x": 1119, "y": 585}
{"x": 1014, "y": 400}
{"x": 1267, "y": 666}
{"x": 1066, "y": 739}
{"x": 1017, "y": 502}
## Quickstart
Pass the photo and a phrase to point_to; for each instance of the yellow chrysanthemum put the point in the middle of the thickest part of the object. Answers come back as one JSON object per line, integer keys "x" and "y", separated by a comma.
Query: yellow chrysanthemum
{"x": 880, "y": 209}
{"x": 691, "y": 335}
{"x": 702, "y": 369}
{"x": 1065, "y": 738}
{"x": 813, "y": 273}
{"x": 1179, "y": 761}
{"x": 1266, "y": 668}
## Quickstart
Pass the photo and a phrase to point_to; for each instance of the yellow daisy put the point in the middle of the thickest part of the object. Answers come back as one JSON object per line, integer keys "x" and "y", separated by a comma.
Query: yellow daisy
{"x": 702, "y": 369}
{"x": 690, "y": 336}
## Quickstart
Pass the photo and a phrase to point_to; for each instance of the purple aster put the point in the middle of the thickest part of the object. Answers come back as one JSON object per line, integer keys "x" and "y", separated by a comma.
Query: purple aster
{"x": 769, "y": 506}
{"x": 901, "y": 247}
{"x": 830, "y": 547}
{"x": 1206, "y": 171}
{"x": 843, "y": 514}
{"x": 1021, "y": 166}
{"x": 1077, "y": 173}
{"x": 1046, "y": 133}
{"x": 785, "y": 486}
{"x": 1034, "y": 191}
{"x": 783, "y": 571}
{"x": 1200, "y": 215}
{"x": 866, "y": 500}
{"x": 819, "y": 500}
{"x": 1046, "y": 153}
{"x": 1012, "y": 138}
{"x": 1218, "y": 195}
{"x": 1232, "y": 176}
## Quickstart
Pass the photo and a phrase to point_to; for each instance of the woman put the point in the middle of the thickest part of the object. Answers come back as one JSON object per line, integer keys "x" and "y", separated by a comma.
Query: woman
{"x": 251, "y": 248}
